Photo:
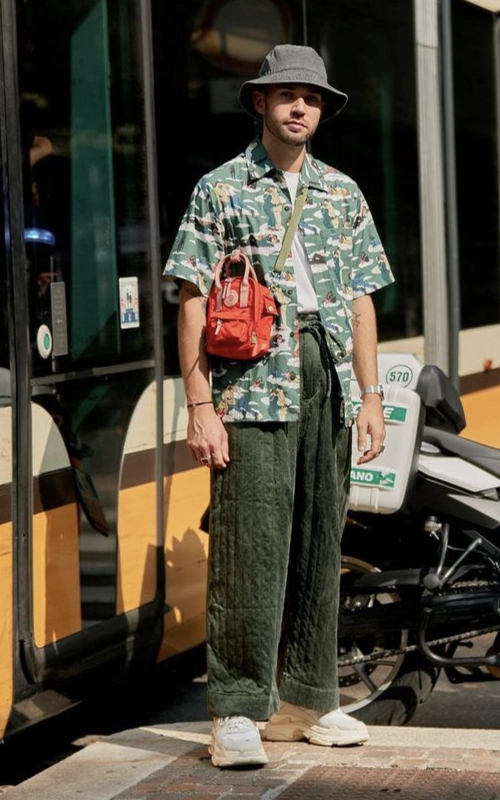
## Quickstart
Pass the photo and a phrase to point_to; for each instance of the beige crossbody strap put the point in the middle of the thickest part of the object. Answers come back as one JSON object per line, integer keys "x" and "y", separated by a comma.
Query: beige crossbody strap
{"x": 292, "y": 227}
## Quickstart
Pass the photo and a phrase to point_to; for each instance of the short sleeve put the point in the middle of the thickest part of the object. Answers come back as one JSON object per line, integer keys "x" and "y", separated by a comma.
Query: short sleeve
{"x": 370, "y": 266}
{"x": 199, "y": 243}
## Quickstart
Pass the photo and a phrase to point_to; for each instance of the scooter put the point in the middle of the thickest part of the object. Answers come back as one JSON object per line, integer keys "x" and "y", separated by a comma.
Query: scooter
{"x": 421, "y": 552}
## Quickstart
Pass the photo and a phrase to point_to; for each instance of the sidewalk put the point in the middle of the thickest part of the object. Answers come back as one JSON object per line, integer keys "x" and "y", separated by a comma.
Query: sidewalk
{"x": 171, "y": 762}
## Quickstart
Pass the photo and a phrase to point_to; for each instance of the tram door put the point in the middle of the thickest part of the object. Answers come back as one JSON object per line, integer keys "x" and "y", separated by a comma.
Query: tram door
{"x": 94, "y": 562}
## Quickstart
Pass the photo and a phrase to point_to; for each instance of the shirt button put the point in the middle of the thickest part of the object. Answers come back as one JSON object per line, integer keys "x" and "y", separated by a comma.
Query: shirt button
{"x": 288, "y": 208}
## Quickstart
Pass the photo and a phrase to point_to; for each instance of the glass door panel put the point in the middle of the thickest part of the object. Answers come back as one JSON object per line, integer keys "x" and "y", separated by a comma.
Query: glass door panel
{"x": 90, "y": 292}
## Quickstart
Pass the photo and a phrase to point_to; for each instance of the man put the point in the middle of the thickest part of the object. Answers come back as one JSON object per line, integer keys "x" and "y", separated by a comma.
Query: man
{"x": 277, "y": 432}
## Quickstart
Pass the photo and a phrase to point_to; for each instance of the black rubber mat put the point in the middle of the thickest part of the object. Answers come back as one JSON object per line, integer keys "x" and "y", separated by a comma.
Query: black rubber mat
{"x": 334, "y": 783}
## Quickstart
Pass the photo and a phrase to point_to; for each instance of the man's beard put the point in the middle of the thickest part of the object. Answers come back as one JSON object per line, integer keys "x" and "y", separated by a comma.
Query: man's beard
{"x": 281, "y": 133}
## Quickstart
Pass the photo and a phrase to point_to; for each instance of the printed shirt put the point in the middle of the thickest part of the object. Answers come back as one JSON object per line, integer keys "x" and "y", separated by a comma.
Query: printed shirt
{"x": 245, "y": 204}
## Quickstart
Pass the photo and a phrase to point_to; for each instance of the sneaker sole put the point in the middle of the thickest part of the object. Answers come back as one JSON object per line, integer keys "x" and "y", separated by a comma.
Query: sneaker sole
{"x": 233, "y": 758}
{"x": 329, "y": 737}
{"x": 315, "y": 735}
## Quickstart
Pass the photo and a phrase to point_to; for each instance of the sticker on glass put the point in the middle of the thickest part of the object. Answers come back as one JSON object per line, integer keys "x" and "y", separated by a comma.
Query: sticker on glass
{"x": 129, "y": 302}
{"x": 44, "y": 341}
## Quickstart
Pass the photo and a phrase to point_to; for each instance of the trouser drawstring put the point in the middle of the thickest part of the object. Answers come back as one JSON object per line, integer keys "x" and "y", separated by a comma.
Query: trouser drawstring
{"x": 311, "y": 323}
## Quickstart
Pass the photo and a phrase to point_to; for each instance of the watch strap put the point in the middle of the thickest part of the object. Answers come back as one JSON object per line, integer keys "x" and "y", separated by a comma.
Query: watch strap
{"x": 373, "y": 388}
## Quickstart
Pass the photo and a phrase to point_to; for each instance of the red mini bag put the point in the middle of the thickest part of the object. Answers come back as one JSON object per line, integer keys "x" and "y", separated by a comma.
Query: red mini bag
{"x": 240, "y": 312}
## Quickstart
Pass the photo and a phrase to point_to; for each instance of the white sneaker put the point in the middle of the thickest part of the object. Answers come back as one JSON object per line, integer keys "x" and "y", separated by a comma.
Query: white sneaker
{"x": 236, "y": 742}
{"x": 294, "y": 723}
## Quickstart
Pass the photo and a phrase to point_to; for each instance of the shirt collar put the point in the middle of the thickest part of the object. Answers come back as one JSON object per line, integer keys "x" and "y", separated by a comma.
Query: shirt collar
{"x": 260, "y": 164}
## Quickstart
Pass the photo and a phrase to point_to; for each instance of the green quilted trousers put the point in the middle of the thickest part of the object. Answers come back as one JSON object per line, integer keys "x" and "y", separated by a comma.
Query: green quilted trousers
{"x": 276, "y": 520}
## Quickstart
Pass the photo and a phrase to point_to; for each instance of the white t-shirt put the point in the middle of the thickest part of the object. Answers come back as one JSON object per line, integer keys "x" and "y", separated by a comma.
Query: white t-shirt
{"x": 306, "y": 293}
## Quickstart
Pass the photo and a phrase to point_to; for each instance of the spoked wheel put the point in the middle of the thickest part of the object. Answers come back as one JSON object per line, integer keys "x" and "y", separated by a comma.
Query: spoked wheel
{"x": 385, "y": 691}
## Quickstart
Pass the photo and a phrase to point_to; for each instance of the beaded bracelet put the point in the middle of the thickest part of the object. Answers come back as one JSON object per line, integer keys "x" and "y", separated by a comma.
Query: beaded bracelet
{"x": 203, "y": 403}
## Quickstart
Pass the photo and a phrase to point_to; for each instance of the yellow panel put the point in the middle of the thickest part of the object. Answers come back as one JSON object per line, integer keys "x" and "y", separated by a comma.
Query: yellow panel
{"x": 489, "y": 5}
{"x": 482, "y": 412}
{"x": 182, "y": 637}
{"x": 6, "y": 629}
{"x": 56, "y": 574}
{"x": 186, "y": 589}
{"x": 186, "y": 498}
{"x": 136, "y": 547}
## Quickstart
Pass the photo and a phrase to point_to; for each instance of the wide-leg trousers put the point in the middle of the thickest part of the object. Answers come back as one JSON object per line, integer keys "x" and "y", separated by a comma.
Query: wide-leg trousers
{"x": 276, "y": 520}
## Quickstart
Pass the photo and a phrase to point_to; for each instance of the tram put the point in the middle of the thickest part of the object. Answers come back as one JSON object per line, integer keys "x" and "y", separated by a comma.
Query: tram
{"x": 109, "y": 114}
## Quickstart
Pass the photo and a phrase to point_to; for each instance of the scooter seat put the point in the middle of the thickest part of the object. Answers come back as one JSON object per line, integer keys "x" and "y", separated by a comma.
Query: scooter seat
{"x": 483, "y": 456}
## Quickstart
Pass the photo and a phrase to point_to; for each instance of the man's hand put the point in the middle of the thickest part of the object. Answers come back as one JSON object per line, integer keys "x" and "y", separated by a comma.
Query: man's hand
{"x": 370, "y": 424}
{"x": 370, "y": 421}
{"x": 207, "y": 437}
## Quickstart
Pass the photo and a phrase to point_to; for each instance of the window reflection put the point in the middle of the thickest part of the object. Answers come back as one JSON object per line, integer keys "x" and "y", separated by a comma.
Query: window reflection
{"x": 84, "y": 184}
{"x": 369, "y": 50}
{"x": 4, "y": 331}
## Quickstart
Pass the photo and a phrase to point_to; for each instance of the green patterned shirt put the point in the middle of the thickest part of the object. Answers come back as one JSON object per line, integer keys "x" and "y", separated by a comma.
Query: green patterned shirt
{"x": 245, "y": 203}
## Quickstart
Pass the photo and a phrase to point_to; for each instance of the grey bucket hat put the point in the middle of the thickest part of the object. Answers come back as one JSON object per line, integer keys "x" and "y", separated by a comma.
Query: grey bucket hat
{"x": 290, "y": 63}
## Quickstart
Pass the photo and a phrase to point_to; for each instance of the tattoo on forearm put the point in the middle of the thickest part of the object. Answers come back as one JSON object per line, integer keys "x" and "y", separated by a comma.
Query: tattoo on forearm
{"x": 356, "y": 319}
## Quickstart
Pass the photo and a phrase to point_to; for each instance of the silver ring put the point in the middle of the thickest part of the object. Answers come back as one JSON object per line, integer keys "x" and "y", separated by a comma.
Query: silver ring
{"x": 205, "y": 461}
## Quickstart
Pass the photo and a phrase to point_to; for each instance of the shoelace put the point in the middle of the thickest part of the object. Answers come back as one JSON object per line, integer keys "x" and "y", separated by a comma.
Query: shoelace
{"x": 234, "y": 723}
